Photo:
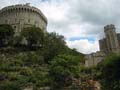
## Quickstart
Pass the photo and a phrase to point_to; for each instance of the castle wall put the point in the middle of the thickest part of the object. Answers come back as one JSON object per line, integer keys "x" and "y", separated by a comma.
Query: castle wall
{"x": 109, "y": 44}
{"x": 111, "y": 38}
{"x": 118, "y": 36}
{"x": 94, "y": 58}
{"x": 103, "y": 45}
{"x": 20, "y": 16}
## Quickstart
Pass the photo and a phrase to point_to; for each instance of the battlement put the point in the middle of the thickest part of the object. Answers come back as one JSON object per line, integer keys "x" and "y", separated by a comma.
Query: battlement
{"x": 109, "y": 27}
{"x": 23, "y": 8}
{"x": 109, "y": 44}
{"x": 21, "y": 16}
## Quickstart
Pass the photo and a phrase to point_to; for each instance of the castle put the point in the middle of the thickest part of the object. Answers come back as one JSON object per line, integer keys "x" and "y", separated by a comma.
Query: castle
{"x": 21, "y": 16}
{"x": 109, "y": 44}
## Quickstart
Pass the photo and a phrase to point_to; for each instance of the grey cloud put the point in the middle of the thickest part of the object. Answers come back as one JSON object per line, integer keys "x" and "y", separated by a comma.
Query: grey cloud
{"x": 93, "y": 15}
{"x": 95, "y": 12}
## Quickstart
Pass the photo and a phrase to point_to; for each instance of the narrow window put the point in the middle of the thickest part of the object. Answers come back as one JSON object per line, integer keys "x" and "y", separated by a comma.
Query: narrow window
{"x": 14, "y": 27}
{"x": 28, "y": 20}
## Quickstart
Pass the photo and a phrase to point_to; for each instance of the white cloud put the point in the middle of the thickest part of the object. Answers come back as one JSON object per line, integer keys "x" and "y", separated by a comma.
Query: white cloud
{"x": 77, "y": 18}
{"x": 84, "y": 46}
{"x": 55, "y": 12}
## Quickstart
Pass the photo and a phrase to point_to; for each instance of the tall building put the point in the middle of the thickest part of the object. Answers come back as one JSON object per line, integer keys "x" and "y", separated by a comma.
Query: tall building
{"x": 109, "y": 44}
{"x": 20, "y": 16}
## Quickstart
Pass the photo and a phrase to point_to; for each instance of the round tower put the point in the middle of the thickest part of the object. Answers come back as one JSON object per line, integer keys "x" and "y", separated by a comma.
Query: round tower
{"x": 20, "y": 16}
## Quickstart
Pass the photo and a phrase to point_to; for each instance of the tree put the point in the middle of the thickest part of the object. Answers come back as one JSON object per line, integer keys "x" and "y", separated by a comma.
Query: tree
{"x": 36, "y": 58}
{"x": 53, "y": 46}
{"x": 33, "y": 36}
{"x": 63, "y": 69}
{"x": 6, "y": 34}
{"x": 110, "y": 73}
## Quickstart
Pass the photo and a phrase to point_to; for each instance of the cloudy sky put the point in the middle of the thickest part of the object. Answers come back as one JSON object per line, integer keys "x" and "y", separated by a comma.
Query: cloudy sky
{"x": 80, "y": 21}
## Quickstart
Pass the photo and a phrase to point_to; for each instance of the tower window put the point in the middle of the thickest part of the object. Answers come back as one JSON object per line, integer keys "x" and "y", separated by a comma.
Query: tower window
{"x": 6, "y": 21}
{"x": 14, "y": 27}
{"x": 15, "y": 20}
{"x": 29, "y": 20}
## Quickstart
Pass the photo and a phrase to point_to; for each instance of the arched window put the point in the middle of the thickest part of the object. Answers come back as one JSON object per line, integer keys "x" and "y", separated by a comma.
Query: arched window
{"x": 27, "y": 9}
{"x": 28, "y": 20}
{"x": 14, "y": 27}
{"x": 23, "y": 9}
{"x": 19, "y": 10}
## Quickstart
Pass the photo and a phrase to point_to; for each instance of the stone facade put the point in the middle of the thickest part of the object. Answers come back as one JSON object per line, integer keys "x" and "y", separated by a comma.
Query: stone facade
{"x": 20, "y": 16}
{"x": 94, "y": 58}
{"x": 109, "y": 44}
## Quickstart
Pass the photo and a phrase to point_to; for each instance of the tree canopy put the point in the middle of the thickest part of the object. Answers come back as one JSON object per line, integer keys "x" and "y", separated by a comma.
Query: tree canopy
{"x": 110, "y": 73}
{"x": 35, "y": 58}
{"x": 6, "y": 34}
{"x": 63, "y": 69}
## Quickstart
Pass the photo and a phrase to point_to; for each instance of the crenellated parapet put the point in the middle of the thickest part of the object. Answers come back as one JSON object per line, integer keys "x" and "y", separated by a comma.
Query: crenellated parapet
{"x": 23, "y": 8}
{"x": 23, "y": 15}
{"x": 109, "y": 27}
{"x": 109, "y": 44}
{"x": 112, "y": 42}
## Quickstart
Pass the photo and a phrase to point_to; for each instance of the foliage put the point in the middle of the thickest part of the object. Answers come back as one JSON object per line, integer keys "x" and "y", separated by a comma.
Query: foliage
{"x": 16, "y": 71}
{"x": 36, "y": 58}
{"x": 110, "y": 73}
{"x": 63, "y": 69}
{"x": 54, "y": 45}
{"x": 34, "y": 36}
{"x": 6, "y": 34}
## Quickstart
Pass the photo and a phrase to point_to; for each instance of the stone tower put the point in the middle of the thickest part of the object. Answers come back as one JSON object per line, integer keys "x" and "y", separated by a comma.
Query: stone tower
{"x": 23, "y": 15}
{"x": 111, "y": 39}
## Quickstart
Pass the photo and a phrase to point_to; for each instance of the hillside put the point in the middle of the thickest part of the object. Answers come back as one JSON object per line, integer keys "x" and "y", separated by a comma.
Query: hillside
{"x": 30, "y": 59}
